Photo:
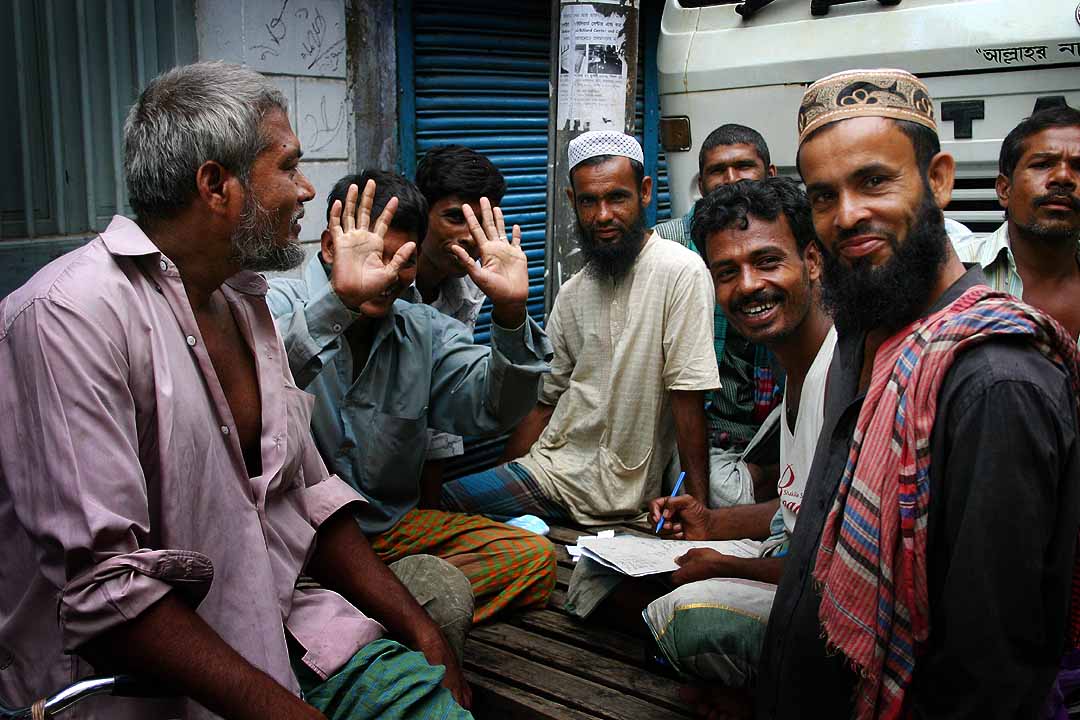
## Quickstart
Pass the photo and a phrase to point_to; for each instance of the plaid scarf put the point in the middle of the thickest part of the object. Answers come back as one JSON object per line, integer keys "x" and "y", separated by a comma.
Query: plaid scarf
{"x": 871, "y": 566}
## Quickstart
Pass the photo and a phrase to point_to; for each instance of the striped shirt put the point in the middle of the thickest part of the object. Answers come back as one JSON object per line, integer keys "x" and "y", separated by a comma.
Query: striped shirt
{"x": 994, "y": 254}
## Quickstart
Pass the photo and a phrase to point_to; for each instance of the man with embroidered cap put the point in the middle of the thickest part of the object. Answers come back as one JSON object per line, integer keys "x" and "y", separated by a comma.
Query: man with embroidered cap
{"x": 632, "y": 335}
{"x": 931, "y": 567}
{"x": 1035, "y": 254}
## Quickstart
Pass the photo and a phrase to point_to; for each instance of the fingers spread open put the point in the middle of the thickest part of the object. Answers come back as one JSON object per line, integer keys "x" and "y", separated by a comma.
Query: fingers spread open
{"x": 488, "y": 219}
{"x": 500, "y": 222}
{"x": 386, "y": 217}
{"x": 516, "y": 239}
{"x": 466, "y": 261}
{"x": 401, "y": 256}
{"x": 349, "y": 214}
{"x": 363, "y": 213}
{"x": 335, "y": 218}
{"x": 475, "y": 230}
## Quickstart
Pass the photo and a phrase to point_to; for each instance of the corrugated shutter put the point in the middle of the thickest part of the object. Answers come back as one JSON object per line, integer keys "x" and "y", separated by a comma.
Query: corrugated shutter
{"x": 72, "y": 68}
{"x": 475, "y": 73}
{"x": 480, "y": 79}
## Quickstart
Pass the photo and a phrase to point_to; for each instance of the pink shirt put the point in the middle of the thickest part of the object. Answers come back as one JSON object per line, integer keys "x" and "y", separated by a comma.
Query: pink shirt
{"x": 122, "y": 478}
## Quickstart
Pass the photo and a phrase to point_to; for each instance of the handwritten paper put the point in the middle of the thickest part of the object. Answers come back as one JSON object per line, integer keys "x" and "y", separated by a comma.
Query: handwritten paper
{"x": 639, "y": 556}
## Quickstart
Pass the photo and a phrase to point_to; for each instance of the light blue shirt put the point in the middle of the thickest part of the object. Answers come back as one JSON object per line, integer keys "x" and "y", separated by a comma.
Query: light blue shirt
{"x": 423, "y": 372}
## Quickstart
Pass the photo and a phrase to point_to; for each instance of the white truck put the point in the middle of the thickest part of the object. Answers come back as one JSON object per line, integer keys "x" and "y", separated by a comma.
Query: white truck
{"x": 988, "y": 64}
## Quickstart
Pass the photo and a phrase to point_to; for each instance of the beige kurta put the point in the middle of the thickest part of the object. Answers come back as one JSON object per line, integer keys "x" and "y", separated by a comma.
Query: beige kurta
{"x": 620, "y": 348}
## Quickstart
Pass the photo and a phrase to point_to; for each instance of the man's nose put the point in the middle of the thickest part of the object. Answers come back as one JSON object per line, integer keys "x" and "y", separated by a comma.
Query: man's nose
{"x": 604, "y": 212}
{"x": 850, "y": 211}
{"x": 1064, "y": 174}
{"x": 750, "y": 281}
{"x": 306, "y": 189}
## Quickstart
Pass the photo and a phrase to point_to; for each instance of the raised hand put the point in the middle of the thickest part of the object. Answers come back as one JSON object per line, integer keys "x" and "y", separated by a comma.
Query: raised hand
{"x": 686, "y": 517}
{"x": 503, "y": 273}
{"x": 359, "y": 272}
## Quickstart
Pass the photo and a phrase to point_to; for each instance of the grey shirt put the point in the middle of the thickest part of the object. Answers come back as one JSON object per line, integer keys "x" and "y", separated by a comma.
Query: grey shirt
{"x": 423, "y": 372}
{"x": 1002, "y": 532}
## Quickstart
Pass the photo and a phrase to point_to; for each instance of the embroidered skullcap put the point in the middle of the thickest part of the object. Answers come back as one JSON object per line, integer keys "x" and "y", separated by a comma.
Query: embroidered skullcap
{"x": 884, "y": 92}
{"x": 603, "y": 142}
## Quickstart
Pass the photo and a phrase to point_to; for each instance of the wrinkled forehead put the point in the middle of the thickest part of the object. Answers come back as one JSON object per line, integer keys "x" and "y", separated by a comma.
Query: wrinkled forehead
{"x": 840, "y": 149}
{"x": 612, "y": 173}
{"x": 729, "y": 154}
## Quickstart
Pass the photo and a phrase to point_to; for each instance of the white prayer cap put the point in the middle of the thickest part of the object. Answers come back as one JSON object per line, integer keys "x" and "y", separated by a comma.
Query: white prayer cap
{"x": 603, "y": 142}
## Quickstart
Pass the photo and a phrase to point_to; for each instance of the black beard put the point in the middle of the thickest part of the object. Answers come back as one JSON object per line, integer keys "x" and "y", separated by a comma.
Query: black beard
{"x": 253, "y": 246}
{"x": 1054, "y": 233}
{"x": 862, "y": 298}
{"x": 612, "y": 260}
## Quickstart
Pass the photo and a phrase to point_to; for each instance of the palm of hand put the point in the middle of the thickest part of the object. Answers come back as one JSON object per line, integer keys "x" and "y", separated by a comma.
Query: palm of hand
{"x": 504, "y": 272}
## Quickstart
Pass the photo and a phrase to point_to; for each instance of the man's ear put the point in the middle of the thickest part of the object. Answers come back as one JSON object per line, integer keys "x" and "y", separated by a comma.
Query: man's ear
{"x": 646, "y": 191}
{"x": 570, "y": 196}
{"x": 940, "y": 174}
{"x": 812, "y": 260}
{"x": 219, "y": 189}
{"x": 770, "y": 171}
{"x": 326, "y": 245}
{"x": 1003, "y": 187}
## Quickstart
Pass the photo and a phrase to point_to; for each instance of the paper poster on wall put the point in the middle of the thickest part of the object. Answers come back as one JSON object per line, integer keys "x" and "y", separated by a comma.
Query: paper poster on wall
{"x": 592, "y": 68}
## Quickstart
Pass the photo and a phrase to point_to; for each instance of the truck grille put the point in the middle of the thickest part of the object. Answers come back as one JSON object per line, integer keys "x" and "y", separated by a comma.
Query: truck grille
{"x": 974, "y": 203}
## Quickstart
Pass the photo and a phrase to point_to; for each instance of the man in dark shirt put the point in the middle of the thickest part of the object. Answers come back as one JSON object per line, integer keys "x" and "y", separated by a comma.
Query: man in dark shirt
{"x": 1004, "y": 498}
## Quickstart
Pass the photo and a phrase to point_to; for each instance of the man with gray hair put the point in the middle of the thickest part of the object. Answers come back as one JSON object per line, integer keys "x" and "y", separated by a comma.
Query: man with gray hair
{"x": 159, "y": 484}
{"x": 632, "y": 335}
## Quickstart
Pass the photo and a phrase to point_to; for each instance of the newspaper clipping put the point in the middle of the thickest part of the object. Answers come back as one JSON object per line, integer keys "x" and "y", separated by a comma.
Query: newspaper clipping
{"x": 592, "y": 69}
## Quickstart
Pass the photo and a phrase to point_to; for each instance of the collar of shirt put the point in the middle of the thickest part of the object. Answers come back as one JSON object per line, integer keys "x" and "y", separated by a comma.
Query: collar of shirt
{"x": 317, "y": 278}
{"x": 125, "y": 238}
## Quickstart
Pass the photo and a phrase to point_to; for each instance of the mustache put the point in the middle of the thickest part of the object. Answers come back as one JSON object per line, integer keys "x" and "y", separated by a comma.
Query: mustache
{"x": 1057, "y": 197}
{"x": 761, "y": 297}
{"x": 865, "y": 228}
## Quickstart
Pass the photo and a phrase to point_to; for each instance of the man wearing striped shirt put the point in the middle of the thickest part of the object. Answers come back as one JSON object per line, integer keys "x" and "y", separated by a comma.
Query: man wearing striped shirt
{"x": 749, "y": 389}
{"x": 1035, "y": 254}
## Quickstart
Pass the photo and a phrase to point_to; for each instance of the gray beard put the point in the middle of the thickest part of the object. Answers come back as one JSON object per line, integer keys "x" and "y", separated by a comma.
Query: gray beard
{"x": 253, "y": 246}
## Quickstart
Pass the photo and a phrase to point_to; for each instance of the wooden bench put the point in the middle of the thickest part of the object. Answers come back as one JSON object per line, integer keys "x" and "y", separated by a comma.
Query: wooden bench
{"x": 548, "y": 664}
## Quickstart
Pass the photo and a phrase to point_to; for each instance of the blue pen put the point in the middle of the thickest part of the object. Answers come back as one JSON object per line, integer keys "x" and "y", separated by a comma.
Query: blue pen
{"x": 674, "y": 492}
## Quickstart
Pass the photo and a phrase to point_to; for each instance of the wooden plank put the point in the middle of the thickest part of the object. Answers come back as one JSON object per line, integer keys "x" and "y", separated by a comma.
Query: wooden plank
{"x": 562, "y": 576}
{"x": 496, "y": 700}
{"x": 584, "y": 664}
{"x": 566, "y": 535}
{"x": 557, "y": 598}
{"x": 561, "y": 626}
{"x": 553, "y": 684}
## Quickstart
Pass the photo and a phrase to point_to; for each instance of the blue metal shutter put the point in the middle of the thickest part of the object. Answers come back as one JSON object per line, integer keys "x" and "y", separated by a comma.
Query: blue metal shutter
{"x": 480, "y": 79}
{"x": 475, "y": 73}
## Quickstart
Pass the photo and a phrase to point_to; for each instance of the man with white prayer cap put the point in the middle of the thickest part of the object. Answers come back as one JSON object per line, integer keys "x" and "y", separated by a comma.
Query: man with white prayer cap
{"x": 633, "y": 341}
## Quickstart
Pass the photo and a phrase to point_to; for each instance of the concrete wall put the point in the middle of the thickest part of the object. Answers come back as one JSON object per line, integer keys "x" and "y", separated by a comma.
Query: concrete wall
{"x": 301, "y": 45}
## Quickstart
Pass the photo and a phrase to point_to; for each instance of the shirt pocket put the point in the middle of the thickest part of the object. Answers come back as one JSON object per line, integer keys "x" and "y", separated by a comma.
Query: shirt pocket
{"x": 395, "y": 453}
{"x": 301, "y": 457}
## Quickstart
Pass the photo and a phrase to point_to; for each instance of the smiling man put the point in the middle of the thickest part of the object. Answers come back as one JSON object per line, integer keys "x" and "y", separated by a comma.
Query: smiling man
{"x": 162, "y": 493}
{"x": 450, "y": 177}
{"x": 384, "y": 372}
{"x": 748, "y": 388}
{"x": 762, "y": 252}
{"x": 931, "y": 565}
{"x": 1035, "y": 254}
{"x": 632, "y": 335}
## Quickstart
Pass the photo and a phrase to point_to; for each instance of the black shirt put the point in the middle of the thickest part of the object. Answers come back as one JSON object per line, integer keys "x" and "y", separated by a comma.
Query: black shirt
{"x": 1002, "y": 532}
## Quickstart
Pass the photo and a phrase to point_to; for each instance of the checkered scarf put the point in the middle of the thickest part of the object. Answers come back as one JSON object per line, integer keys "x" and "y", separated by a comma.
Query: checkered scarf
{"x": 871, "y": 566}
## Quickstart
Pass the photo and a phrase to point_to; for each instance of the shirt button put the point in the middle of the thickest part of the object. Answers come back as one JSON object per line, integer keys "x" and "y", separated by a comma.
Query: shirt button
{"x": 164, "y": 265}
{"x": 337, "y": 327}
{"x": 224, "y": 429}
{"x": 191, "y": 340}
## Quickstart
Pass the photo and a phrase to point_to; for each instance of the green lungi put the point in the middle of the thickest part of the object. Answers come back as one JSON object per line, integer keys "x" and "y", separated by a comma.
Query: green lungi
{"x": 384, "y": 680}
